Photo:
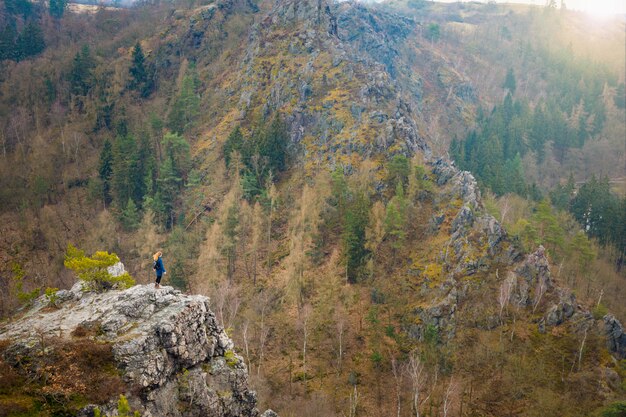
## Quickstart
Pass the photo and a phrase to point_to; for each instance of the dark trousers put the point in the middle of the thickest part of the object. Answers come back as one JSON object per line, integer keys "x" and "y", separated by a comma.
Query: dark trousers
{"x": 158, "y": 280}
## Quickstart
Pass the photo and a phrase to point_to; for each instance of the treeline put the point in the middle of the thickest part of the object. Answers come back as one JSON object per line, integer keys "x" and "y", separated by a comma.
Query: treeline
{"x": 257, "y": 158}
{"x": 600, "y": 212}
{"x": 573, "y": 112}
{"x": 21, "y": 35}
{"x": 368, "y": 223}
{"x": 134, "y": 177}
{"x": 494, "y": 151}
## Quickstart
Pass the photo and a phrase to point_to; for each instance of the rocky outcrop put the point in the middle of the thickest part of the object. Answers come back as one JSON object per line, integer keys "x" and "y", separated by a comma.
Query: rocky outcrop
{"x": 314, "y": 14}
{"x": 563, "y": 310}
{"x": 534, "y": 278}
{"x": 374, "y": 32}
{"x": 175, "y": 358}
{"x": 533, "y": 282}
{"x": 616, "y": 337}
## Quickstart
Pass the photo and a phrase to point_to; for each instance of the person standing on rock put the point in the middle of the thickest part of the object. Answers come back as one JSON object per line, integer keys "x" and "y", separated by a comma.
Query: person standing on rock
{"x": 158, "y": 268}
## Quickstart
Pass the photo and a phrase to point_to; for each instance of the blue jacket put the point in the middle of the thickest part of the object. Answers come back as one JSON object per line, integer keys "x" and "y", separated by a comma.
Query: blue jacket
{"x": 160, "y": 269}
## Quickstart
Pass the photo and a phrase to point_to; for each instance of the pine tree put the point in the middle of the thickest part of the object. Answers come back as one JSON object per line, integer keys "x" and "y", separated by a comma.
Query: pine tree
{"x": 186, "y": 107}
{"x": 167, "y": 196}
{"x": 356, "y": 222}
{"x": 142, "y": 170}
{"x": 176, "y": 147}
{"x": 338, "y": 199}
{"x": 395, "y": 218}
{"x": 560, "y": 197}
{"x": 273, "y": 144}
{"x": 434, "y": 32}
{"x": 583, "y": 251}
{"x": 456, "y": 151}
{"x": 30, "y": 42}
{"x": 130, "y": 217}
{"x": 514, "y": 177}
{"x": 19, "y": 7}
{"x": 124, "y": 154}
{"x": 231, "y": 238}
{"x": 548, "y": 227}
{"x": 105, "y": 171}
{"x": 140, "y": 80}
{"x": 7, "y": 43}
{"x": 81, "y": 78}
{"x": 93, "y": 270}
{"x": 509, "y": 81}
{"x": 234, "y": 143}
{"x": 57, "y": 8}
{"x": 398, "y": 169}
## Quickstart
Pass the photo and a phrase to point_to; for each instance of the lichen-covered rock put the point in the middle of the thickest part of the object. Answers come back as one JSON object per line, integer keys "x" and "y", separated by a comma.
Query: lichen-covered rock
{"x": 443, "y": 171}
{"x": 616, "y": 338}
{"x": 562, "y": 311}
{"x": 167, "y": 345}
{"x": 314, "y": 14}
{"x": 439, "y": 316}
{"x": 376, "y": 33}
{"x": 116, "y": 270}
{"x": 534, "y": 276}
{"x": 464, "y": 219}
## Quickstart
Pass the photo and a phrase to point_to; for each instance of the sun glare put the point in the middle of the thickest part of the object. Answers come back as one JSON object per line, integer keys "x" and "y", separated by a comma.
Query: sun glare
{"x": 601, "y": 8}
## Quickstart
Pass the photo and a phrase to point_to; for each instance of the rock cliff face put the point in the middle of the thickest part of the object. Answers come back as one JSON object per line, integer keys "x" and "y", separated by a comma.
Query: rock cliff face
{"x": 477, "y": 242}
{"x": 174, "y": 357}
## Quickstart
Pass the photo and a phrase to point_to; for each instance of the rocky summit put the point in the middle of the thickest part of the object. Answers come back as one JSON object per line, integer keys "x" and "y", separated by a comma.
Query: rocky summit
{"x": 173, "y": 357}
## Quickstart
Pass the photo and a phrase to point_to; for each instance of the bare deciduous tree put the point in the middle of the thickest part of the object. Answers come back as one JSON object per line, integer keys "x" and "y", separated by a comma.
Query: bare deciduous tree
{"x": 341, "y": 323}
{"x": 446, "y": 400}
{"x": 416, "y": 372}
{"x": 397, "y": 377}
{"x": 506, "y": 288}
{"x": 303, "y": 323}
{"x": 227, "y": 300}
{"x": 354, "y": 402}
{"x": 542, "y": 286}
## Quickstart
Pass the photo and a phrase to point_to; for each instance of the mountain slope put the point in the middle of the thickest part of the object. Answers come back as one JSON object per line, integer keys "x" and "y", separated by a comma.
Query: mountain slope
{"x": 358, "y": 273}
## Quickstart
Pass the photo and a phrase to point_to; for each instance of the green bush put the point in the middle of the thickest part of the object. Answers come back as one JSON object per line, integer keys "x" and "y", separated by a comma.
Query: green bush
{"x": 93, "y": 270}
{"x": 617, "y": 409}
{"x": 123, "y": 409}
{"x": 231, "y": 359}
{"x": 24, "y": 297}
{"x": 599, "y": 311}
{"x": 51, "y": 296}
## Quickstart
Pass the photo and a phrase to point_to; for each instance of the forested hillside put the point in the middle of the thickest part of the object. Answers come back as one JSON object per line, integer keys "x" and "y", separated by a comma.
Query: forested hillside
{"x": 401, "y": 208}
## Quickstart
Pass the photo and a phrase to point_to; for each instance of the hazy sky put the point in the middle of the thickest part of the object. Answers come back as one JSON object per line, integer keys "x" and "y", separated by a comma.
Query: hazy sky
{"x": 596, "y": 7}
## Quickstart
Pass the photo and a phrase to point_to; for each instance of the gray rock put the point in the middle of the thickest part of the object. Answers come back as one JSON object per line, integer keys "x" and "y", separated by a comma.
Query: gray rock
{"x": 464, "y": 219}
{"x": 494, "y": 231}
{"x": 443, "y": 171}
{"x": 166, "y": 343}
{"x": 116, "y": 270}
{"x": 440, "y": 315}
{"x": 616, "y": 338}
{"x": 533, "y": 272}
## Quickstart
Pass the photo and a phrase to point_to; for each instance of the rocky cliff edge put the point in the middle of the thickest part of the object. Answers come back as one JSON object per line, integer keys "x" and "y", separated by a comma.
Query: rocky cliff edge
{"x": 168, "y": 348}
